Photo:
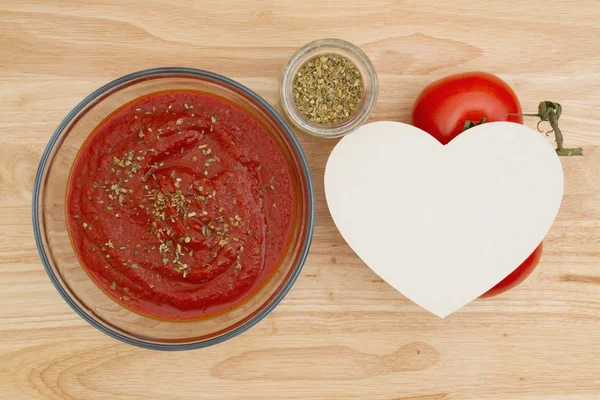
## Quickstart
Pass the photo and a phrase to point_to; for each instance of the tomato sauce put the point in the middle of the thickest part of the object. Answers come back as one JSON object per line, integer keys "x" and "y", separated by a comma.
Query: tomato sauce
{"x": 179, "y": 205}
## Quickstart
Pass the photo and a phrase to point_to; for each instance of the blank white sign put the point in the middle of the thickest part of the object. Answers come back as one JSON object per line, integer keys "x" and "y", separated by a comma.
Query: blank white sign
{"x": 443, "y": 224}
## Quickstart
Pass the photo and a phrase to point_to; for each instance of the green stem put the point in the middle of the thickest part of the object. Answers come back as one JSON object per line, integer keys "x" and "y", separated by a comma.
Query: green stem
{"x": 560, "y": 150}
{"x": 469, "y": 124}
{"x": 527, "y": 115}
{"x": 550, "y": 111}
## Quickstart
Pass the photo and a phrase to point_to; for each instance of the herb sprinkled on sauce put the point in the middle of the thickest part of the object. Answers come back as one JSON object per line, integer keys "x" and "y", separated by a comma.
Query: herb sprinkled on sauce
{"x": 170, "y": 208}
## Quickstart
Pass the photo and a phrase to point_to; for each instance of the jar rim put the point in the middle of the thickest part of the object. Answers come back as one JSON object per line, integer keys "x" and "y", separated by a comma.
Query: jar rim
{"x": 322, "y": 47}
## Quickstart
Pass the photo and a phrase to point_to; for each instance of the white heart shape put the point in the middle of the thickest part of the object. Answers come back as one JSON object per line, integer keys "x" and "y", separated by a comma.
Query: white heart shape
{"x": 443, "y": 224}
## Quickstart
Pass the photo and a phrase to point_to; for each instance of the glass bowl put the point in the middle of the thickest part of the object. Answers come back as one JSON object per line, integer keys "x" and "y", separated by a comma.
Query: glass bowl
{"x": 320, "y": 48}
{"x": 61, "y": 262}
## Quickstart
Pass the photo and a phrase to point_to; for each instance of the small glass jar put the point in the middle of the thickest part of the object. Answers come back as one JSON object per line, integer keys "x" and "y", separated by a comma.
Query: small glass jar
{"x": 326, "y": 47}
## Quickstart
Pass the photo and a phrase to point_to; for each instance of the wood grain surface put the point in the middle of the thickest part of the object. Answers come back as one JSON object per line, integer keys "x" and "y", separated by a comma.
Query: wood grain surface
{"x": 341, "y": 333}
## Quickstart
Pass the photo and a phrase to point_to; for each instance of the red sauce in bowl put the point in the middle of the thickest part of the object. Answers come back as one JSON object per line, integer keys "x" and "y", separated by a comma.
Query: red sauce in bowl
{"x": 180, "y": 205}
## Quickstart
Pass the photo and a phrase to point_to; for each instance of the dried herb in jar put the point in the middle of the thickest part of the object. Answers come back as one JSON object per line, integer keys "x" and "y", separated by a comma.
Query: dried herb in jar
{"x": 328, "y": 89}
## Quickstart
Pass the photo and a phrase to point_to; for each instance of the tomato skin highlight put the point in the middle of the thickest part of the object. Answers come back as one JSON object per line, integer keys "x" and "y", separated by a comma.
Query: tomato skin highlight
{"x": 445, "y": 105}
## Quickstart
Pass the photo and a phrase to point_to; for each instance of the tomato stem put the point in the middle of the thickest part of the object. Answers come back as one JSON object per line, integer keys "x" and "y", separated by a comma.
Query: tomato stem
{"x": 469, "y": 124}
{"x": 550, "y": 111}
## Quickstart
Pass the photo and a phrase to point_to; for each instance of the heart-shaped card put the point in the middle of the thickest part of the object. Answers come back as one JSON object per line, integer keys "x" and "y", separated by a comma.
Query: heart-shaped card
{"x": 443, "y": 224}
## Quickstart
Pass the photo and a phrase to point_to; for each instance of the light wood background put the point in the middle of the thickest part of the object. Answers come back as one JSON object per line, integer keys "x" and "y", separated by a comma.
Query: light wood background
{"x": 341, "y": 333}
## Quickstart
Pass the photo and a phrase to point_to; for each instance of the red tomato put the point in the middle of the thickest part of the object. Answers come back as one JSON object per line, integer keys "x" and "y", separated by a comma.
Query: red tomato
{"x": 442, "y": 109}
{"x": 518, "y": 275}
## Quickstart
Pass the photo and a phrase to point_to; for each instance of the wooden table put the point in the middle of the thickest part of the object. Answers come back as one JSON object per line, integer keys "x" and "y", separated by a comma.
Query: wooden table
{"x": 341, "y": 333}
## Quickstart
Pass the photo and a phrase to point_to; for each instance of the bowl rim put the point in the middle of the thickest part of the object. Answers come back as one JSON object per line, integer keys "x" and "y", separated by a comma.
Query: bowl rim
{"x": 44, "y": 161}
